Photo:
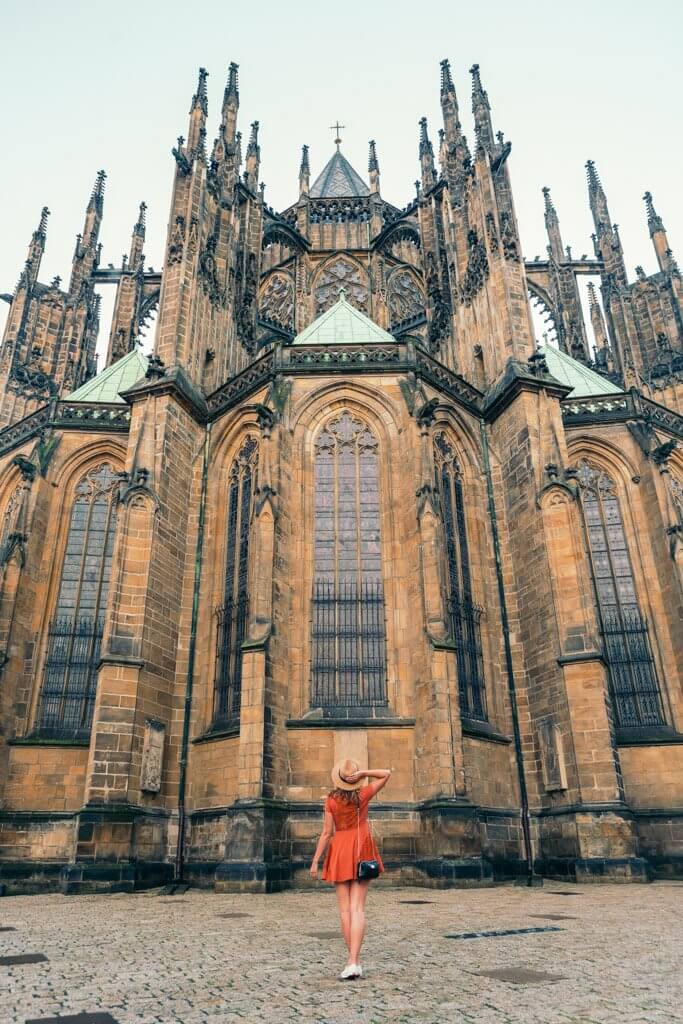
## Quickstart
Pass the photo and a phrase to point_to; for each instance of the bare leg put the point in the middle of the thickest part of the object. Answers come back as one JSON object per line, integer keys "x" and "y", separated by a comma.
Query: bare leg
{"x": 343, "y": 890}
{"x": 359, "y": 894}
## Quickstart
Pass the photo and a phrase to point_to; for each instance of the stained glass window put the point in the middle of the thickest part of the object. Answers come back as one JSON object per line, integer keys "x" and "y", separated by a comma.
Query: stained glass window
{"x": 232, "y": 616}
{"x": 464, "y": 615}
{"x": 74, "y": 636}
{"x": 633, "y": 678}
{"x": 348, "y": 662}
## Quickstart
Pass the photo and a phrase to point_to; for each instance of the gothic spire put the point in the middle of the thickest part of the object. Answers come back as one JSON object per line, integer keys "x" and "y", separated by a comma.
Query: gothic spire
{"x": 373, "y": 166}
{"x": 231, "y": 104}
{"x": 199, "y": 108}
{"x": 660, "y": 241}
{"x": 597, "y": 197}
{"x": 138, "y": 238}
{"x": 253, "y": 160}
{"x": 449, "y": 103}
{"x": 304, "y": 172}
{"x": 426, "y": 157}
{"x": 35, "y": 251}
{"x": 552, "y": 224}
{"x": 97, "y": 195}
{"x": 654, "y": 221}
{"x": 482, "y": 112}
{"x": 599, "y": 327}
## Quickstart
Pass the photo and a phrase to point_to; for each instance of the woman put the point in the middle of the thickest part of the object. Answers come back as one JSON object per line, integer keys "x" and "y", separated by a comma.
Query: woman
{"x": 346, "y": 824}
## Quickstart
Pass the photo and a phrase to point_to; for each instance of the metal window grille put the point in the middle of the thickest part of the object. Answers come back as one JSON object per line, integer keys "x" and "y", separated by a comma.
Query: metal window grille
{"x": 465, "y": 621}
{"x": 631, "y": 668}
{"x": 348, "y": 663}
{"x": 70, "y": 678}
{"x": 348, "y": 651}
{"x": 67, "y": 697}
{"x": 232, "y": 625}
{"x": 465, "y": 617}
{"x": 233, "y": 615}
{"x": 635, "y": 693}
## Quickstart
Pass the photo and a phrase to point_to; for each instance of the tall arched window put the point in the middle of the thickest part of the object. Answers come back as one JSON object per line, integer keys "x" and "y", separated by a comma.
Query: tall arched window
{"x": 74, "y": 636}
{"x": 232, "y": 617}
{"x": 348, "y": 658}
{"x": 464, "y": 615}
{"x": 633, "y": 679}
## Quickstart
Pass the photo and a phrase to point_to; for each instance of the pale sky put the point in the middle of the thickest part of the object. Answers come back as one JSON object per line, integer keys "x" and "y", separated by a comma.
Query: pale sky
{"x": 87, "y": 85}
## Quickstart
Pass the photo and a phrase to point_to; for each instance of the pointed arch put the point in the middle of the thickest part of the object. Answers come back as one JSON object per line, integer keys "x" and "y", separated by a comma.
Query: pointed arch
{"x": 340, "y": 271}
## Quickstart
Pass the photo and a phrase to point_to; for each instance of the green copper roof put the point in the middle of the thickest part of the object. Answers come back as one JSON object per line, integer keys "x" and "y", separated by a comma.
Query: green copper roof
{"x": 108, "y": 385}
{"x": 571, "y": 372}
{"x": 342, "y": 324}
{"x": 338, "y": 180}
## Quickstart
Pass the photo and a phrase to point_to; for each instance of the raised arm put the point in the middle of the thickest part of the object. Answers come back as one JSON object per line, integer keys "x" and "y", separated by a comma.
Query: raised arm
{"x": 380, "y": 775}
{"x": 325, "y": 836}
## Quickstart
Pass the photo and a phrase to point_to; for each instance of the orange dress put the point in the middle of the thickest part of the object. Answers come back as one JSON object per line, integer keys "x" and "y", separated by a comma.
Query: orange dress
{"x": 352, "y": 840}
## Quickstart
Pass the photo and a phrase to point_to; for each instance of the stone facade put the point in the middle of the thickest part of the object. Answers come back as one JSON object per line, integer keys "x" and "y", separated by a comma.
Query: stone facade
{"x": 188, "y": 645}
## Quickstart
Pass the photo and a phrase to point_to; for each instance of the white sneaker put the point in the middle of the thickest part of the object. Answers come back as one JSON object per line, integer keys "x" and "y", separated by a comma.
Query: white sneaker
{"x": 351, "y": 971}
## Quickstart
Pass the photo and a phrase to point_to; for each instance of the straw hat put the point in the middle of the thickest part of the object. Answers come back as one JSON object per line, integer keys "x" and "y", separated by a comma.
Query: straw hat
{"x": 342, "y": 770}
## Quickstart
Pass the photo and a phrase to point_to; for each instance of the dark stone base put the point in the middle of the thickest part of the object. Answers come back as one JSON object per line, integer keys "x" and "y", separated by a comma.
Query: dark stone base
{"x": 453, "y": 872}
{"x": 596, "y": 869}
{"x": 670, "y": 866}
{"x": 113, "y": 877}
{"x": 252, "y": 876}
{"x": 22, "y": 878}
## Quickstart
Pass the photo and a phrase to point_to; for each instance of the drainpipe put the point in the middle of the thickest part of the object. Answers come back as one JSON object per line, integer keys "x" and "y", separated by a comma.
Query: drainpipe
{"x": 185, "y": 742}
{"x": 524, "y": 798}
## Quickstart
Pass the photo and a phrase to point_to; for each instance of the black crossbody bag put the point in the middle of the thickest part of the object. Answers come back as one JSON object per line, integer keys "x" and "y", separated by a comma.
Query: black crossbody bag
{"x": 367, "y": 869}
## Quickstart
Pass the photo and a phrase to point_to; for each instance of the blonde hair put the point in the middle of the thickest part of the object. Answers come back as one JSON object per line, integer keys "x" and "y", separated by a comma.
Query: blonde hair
{"x": 349, "y": 796}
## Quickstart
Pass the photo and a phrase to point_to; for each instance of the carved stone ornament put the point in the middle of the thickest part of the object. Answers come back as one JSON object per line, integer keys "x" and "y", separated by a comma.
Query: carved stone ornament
{"x": 341, "y": 273}
{"x": 277, "y": 301}
{"x": 406, "y": 300}
{"x": 477, "y": 271}
{"x": 152, "y": 756}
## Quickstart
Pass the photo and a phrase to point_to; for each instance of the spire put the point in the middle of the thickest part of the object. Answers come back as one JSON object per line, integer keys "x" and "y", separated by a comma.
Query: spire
{"x": 97, "y": 195}
{"x": 304, "y": 172}
{"x": 482, "y": 112}
{"x": 199, "y": 108}
{"x": 231, "y": 104}
{"x": 654, "y": 221}
{"x": 552, "y": 224}
{"x": 598, "y": 321}
{"x": 373, "y": 166}
{"x": 138, "y": 238}
{"x": 426, "y": 157}
{"x": 449, "y": 103}
{"x": 253, "y": 160}
{"x": 36, "y": 249}
{"x": 665, "y": 257}
{"x": 597, "y": 197}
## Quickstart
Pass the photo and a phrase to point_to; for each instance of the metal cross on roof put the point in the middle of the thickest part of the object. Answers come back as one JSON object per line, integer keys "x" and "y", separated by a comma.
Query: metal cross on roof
{"x": 336, "y": 128}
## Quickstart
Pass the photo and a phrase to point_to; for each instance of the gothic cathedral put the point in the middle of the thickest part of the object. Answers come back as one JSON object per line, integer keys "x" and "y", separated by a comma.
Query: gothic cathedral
{"x": 348, "y": 507}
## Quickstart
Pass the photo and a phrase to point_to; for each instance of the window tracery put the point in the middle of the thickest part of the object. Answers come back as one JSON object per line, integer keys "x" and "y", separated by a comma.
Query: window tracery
{"x": 348, "y": 660}
{"x": 406, "y": 301}
{"x": 633, "y": 678}
{"x": 75, "y": 633}
{"x": 337, "y": 274}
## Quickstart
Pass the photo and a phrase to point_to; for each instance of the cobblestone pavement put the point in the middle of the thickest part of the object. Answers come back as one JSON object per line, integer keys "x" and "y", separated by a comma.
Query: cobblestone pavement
{"x": 192, "y": 958}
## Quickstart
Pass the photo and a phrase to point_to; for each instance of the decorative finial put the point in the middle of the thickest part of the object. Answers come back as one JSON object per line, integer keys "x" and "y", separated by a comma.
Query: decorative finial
{"x": 200, "y": 99}
{"x": 548, "y": 201}
{"x": 342, "y": 294}
{"x": 654, "y": 221}
{"x": 305, "y": 167}
{"x": 336, "y": 128}
{"x": 446, "y": 80}
{"x": 593, "y": 177}
{"x": 231, "y": 89}
{"x": 425, "y": 144}
{"x": 253, "y": 138}
{"x": 373, "y": 164}
{"x": 139, "y": 228}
